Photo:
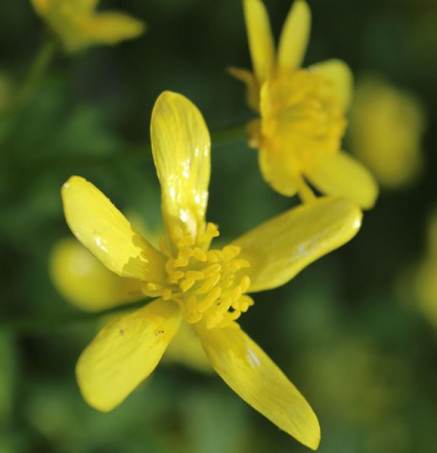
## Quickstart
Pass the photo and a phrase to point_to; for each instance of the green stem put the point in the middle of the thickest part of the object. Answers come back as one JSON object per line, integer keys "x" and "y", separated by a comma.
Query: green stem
{"x": 35, "y": 74}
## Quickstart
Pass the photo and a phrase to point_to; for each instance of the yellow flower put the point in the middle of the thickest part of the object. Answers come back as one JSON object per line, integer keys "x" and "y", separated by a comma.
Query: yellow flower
{"x": 77, "y": 25}
{"x": 424, "y": 275}
{"x": 386, "y": 128}
{"x": 193, "y": 283}
{"x": 302, "y": 112}
{"x": 85, "y": 282}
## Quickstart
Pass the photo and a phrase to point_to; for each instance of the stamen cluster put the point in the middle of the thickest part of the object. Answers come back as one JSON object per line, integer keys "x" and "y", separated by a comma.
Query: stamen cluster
{"x": 206, "y": 283}
{"x": 301, "y": 110}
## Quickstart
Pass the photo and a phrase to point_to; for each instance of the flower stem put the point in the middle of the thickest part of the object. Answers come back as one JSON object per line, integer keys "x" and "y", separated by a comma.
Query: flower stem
{"x": 35, "y": 74}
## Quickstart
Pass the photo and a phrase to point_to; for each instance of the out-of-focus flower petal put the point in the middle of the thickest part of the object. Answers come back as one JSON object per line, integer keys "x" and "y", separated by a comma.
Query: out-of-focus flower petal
{"x": 387, "y": 126}
{"x": 249, "y": 371}
{"x": 278, "y": 249}
{"x": 84, "y": 281}
{"x": 181, "y": 150}
{"x": 340, "y": 75}
{"x": 260, "y": 38}
{"x": 252, "y": 93}
{"x": 110, "y": 27}
{"x": 187, "y": 350}
{"x": 341, "y": 175}
{"x": 294, "y": 37}
{"x": 41, "y": 6}
{"x": 125, "y": 352}
{"x": 103, "y": 229}
{"x": 279, "y": 170}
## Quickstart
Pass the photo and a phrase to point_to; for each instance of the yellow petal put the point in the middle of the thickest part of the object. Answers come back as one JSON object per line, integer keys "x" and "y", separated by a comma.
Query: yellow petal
{"x": 278, "y": 249}
{"x": 187, "y": 350}
{"x": 259, "y": 35}
{"x": 249, "y": 371}
{"x": 83, "y": 280}
{"x": 110, "y": 27}
{"x": 278, "y": 167}
{"x": 341, "y": 175}
{"x": 181, "y": 150}
{"x": 339, "y": 73}
{"x": 41, "y": 6}
{"x": 103, "y": 229}
{"x": 252, "y": 93}
{"x": 294, "y": 37}
{"x": 125, "y": 352}
{"x": 86, "y": 5}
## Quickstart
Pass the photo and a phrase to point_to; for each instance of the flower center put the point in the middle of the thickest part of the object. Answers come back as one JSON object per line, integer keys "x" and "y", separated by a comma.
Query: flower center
{"x": 206, "y": 283}
{"x": 302, "y": 115}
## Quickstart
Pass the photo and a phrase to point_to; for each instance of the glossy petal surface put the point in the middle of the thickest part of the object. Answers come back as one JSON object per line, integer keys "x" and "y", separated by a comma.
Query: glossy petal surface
{"x": 260, "y": 38}
{"x": 341, "y": 175}
{"x": 248, "y": 370}
{"x": 278, "y": 249}
{"x": 339, "y": 73}
{"x": 181, "y": 150}
{"x": 85, "y": 282}
{"x": 110, "y": 27}
{"x": 294, "y": 37}
{"x": 125, "y": 352}
{"x": 103, "y": 229}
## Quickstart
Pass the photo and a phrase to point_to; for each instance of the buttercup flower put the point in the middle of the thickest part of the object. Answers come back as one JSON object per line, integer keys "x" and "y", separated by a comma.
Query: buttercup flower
{"x": 387, "y": 125}
{"x": 86, "y": 283}
{"x": 302, "y": 112}
{"x": 77, "y": 24}
{"x": 194, "y": 283}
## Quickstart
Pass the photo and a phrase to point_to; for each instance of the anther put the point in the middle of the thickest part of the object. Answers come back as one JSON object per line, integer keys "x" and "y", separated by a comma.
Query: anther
{"x": 199, "y": 254}
{"x": 186, "y": 284}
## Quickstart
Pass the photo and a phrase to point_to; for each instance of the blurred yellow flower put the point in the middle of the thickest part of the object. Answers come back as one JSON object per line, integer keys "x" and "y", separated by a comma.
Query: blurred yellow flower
{"x": 386, "y": 129}
{"x": 77, "y": 24}
{"x": 424, "y": 275}
{"x": 193, "y": 283}
{"x": 302, "y": 112}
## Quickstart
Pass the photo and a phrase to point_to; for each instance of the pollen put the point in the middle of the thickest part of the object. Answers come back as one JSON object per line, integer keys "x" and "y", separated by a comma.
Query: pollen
{"x": 300, "y": 109}
{"x": 208, "y": 284}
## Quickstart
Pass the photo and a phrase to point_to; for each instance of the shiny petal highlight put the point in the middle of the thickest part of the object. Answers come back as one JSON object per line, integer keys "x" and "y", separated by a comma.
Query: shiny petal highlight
{"x": 341, "y": 175}
{"x": 249, "y": 371}
{"x": 125, "y": 352}
{"x": 103, "y": 229}
{"x": 181, "y": 151}
{"x": 278, "y": 249}
{"x": 294, "y": 37}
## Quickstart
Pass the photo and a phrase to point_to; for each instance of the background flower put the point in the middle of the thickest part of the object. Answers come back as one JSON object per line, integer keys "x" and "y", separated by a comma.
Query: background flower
{"x": 77, "y": 24}
{"x": 386, "y": 129}
{"x": 90, "y": 117}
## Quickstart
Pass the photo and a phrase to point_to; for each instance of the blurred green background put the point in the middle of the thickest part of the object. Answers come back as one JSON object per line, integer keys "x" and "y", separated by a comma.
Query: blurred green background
{"x": 348, "y": 330}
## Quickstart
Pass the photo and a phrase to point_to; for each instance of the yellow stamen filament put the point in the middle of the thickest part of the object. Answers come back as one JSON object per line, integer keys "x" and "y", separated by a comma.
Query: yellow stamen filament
{"x": 207, "y": 284}
{"x": 301, "y": 113}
